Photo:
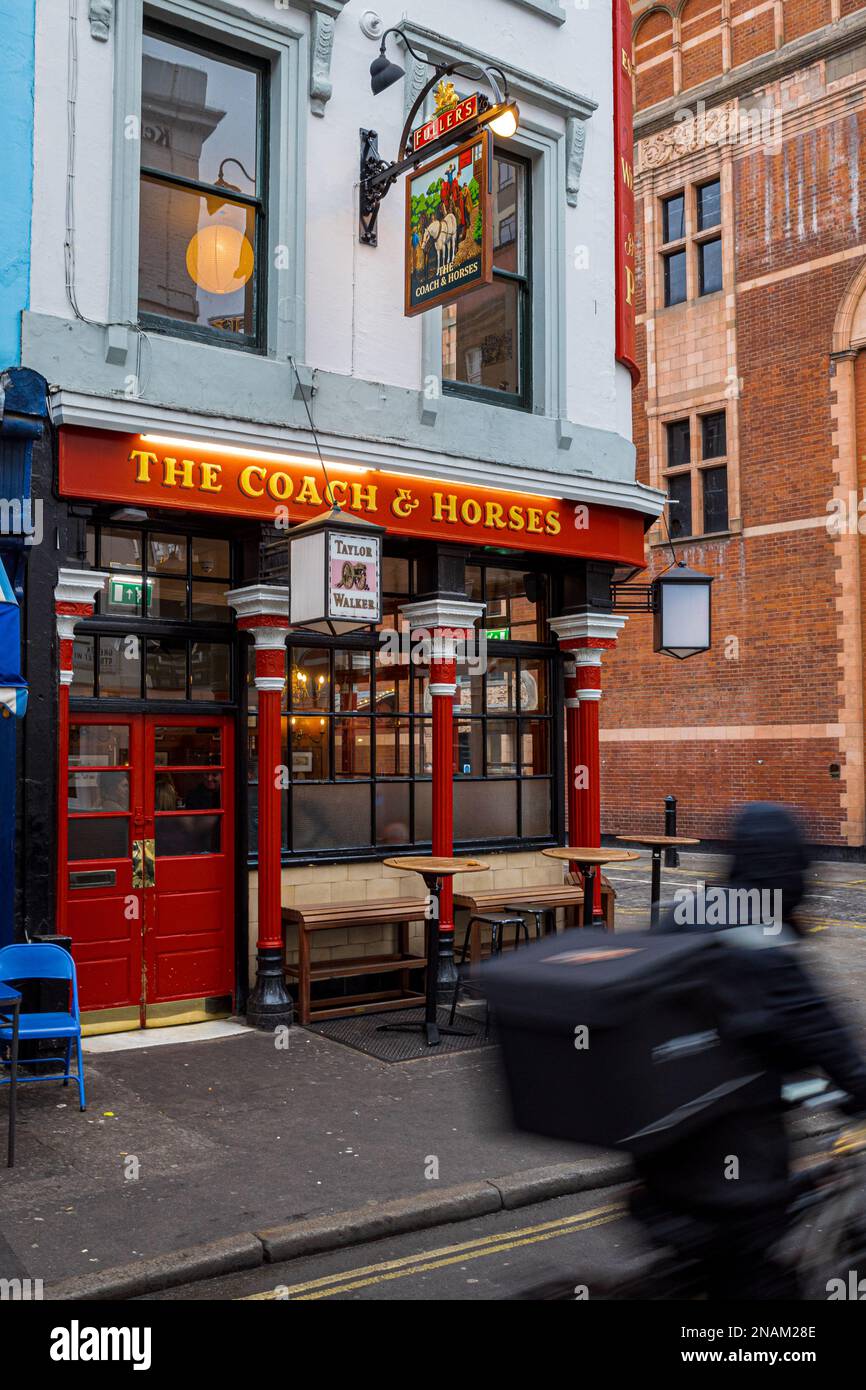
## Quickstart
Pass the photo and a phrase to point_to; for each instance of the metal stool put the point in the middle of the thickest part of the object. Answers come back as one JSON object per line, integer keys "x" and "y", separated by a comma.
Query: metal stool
{"x": 497, "y": 922}
{"x": 545, "y": 917}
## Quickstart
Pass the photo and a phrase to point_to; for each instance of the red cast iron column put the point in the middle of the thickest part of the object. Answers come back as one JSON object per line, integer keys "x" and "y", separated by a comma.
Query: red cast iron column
{"x": 262, "y": 610}
{"x": 442, "y": 629}
{"x": 74, "y": 599}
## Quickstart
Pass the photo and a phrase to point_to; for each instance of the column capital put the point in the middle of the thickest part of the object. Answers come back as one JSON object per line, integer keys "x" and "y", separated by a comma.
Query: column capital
{"x": 589, "y": 628}
{"x": 260, "y": 605}
{"x": 442, "y": 613}
{"x": 77, "y": 589}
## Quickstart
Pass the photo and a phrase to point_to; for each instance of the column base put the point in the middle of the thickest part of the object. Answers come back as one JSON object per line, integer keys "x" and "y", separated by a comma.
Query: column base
{"x": 270, "y": 1005}
{"x": 446, "y": 974}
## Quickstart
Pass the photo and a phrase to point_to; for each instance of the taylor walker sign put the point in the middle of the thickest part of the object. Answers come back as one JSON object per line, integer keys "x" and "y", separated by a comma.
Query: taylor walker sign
{"x": 449, "y": 229}
{"x": 353, "y": 579}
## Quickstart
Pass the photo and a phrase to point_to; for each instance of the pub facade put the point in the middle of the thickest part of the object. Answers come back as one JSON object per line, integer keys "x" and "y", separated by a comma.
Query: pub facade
{"x": 228, "y": 351}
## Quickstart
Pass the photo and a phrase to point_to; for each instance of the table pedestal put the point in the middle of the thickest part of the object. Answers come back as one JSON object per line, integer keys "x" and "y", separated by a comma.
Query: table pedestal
{"x": 430, "y": 1025}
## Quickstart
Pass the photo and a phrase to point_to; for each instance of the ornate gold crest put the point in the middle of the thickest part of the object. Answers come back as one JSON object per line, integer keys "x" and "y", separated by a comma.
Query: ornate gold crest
{"x": 445, "y": 95}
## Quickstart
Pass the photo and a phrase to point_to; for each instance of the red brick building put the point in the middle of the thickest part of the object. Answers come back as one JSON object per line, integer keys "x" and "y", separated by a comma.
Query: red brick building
{"x": 750, "y": 180}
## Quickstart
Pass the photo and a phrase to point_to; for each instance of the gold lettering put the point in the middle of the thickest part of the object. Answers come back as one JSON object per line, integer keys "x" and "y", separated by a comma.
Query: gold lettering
{"x": 280, "y": 486}
{"x": 364, "y": 498}
{"x": 629, "y": 285}
{"x": 142, "y": 468}
{"x": 171, "y": 469}
{"x": 470, "y": 511}
{"x": 516, "y": 519}
{"x": 493, "y": 516}
{"x": 552, "y": 524}
{"x": 209, "y": 474}
{"x": 245, "y": 481}
{"x": 308, "y": 493}
{"x": 534, "y": 523}
{"x": 333, "y": 495}
{"x": 441, "y": 502}
{"x": 627, "y": 171}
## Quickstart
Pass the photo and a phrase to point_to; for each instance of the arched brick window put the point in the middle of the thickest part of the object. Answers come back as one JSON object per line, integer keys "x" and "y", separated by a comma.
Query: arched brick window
{"x": 701, "y": 41}
{"x": 653, "y": 55}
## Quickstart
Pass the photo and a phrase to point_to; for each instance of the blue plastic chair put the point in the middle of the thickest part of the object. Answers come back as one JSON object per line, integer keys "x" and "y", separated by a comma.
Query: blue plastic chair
{"x": 42, "y": 961}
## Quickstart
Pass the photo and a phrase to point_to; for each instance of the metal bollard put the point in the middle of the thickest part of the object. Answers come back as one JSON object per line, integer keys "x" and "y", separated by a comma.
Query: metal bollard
{"x": 672, "y": 857}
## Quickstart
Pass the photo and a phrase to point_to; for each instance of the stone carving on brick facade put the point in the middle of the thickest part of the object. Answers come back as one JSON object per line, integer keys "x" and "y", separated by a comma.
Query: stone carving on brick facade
{"x": 417, "y": 74}
{"x": 322, "y": 27}
{"x": 100, "y": 16}
{"x": 575, "y": 131}
{"x": 718, "y": 126}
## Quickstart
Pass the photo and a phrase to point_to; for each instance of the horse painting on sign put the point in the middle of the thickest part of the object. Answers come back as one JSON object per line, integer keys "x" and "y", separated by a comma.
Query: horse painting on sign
{"x": 448, "y": 226}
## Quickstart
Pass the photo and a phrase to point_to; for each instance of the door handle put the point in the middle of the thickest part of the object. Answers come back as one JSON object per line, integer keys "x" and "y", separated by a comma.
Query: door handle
{"x": 143, "y": 863}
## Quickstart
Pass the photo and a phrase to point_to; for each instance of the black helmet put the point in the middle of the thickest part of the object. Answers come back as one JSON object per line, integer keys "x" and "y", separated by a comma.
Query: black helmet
{"x": 770, "y": 853}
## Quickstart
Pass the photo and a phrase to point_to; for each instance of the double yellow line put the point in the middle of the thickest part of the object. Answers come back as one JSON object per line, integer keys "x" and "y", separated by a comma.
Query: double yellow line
{"x": 365, "y": 1276}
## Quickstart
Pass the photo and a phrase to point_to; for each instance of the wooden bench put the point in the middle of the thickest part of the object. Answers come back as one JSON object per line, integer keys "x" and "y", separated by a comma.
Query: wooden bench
{"x": 547, "y": 895}
{"x": 397, "y": 912}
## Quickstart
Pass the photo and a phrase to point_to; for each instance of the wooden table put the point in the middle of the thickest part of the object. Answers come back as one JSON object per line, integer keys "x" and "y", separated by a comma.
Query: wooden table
{"x": 588, "y": 857}
{"x": 433, "y": 869}
{"x": 657, "y": 843}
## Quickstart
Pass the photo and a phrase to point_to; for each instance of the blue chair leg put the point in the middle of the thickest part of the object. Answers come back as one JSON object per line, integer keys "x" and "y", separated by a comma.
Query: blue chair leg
{"x": 68, "y": 1060}
{"x": 81, "y": 1099}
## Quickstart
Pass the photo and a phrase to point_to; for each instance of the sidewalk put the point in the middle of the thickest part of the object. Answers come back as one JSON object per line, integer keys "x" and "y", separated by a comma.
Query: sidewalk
{"x": 185, "y": 1143}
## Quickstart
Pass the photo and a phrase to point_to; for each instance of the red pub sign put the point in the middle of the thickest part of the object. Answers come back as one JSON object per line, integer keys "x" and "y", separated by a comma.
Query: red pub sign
{"x": 624, "y": 221}
{"x": 444, "y": 122}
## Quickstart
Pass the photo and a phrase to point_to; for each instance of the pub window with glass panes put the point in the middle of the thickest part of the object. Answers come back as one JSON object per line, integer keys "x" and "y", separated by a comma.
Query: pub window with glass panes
{"x": 161, "y": 629}
{"x": 691, "y": 243}
{"x": 358, "y": 735}
{"x": 696, "y": 474}
{"x": 485, "y": 333}
{"x": 204, "y": 116}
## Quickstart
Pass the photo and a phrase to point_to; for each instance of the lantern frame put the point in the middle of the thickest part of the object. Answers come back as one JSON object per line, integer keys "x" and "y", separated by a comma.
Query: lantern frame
{"x": 310, "y": 563}
{"x": 676, "y": 574}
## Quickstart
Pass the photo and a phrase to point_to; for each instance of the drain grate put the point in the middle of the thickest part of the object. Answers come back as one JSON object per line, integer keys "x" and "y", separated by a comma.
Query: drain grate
{"x": 362, "y": 1033}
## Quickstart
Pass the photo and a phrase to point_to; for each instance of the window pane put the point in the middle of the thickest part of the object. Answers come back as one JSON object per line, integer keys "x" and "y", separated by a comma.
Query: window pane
{"x": 166, "y": 598}
{"x": 165, "y": 674}
{"x": 501, "y": 748}
{"x": 120, "y": 666}
{"x": 469, "y": 760}
{"x": 534, "y": 745}
{"x": 196, "y": 259}
{"x": 673, "y": 218}
{"x": 209, "y": 603}
{"x": 166, "y": 554}
{"x": 392, "y": 685}
{"x": 710, "y": 264}
{"x": 715, "y": 499}
{"x": 120, "y": 549}
{"x": 534, "y": 685}
{"x": 509, "y": 230}
{"x": 210, "y": 671}
{"x": 352, "y": 681}
{"x": 210, "y": 559}
{"x": 679, "y": 443}
{"x": 392, "y": 747}
{"x": 122, "y": 594}
{"x": 83, "y": 659}
{"x": 536, "y": 801}
{"x": 331, "y": 817}
{"x": 709, "y": 206}
{"x": 310, "y": 678}
{"x": 473, "y": 583}
{"x": 352, "y": 747}
{"x": 310, "y": 748}
{"x": 98, "y": 791}
{"x": 99, "y": 745}
{"x": 713, "y": 436}
{"x": 392, "y": 813}
{"x": 675, "y": 278}
{"x": 179, "y": 835}
{"x": 481, "y": 338}
{"x": 395, "y": 575}
{"x": 184, "y": 746}
{"x": 469, "y": 694}
{"x": 501, "y": 684}
{"x": 485, "y": 810}
{"x": 423, "y": 793}
{"x": 423, "y": 748}
{"x": 188, "y": 791}
{"x": 198, "y": 114}
{"x": 680, "y": 504}
{"x": 104, "y": 837}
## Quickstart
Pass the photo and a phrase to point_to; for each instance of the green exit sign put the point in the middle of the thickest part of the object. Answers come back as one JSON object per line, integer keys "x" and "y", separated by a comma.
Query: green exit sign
{"x": 126, "y": 593}
{"x": 498, "y": 634}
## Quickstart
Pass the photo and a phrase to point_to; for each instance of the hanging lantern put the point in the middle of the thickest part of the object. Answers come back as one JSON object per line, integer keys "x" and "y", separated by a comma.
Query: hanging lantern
{"x": 682, "y": 608}
{"x": 335, "y": 573}
{"x": 220, "y": 258}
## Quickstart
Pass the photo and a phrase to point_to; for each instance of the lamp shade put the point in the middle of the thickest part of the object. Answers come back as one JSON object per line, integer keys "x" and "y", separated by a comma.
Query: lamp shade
{"x": 682, "y": 608}
{"x": 383, "y": 74}
{"x": 220, "y": 258}
{"x": 335, "y": 573}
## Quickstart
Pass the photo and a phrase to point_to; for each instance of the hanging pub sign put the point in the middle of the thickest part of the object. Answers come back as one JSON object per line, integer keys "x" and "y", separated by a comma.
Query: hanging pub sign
{"x": 335, "y": 573}
{"x": 445, "y": 121}
{"x": 449, "y": 227}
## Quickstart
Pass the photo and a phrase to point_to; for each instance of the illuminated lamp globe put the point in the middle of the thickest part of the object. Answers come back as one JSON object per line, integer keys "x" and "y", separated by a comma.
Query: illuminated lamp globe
{"x": 505, "y": 122}
{"x": 220, "y": 259}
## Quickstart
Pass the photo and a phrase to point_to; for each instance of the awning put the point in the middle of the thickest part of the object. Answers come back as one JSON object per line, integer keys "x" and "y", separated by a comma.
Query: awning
{"x": 13, "y": 688}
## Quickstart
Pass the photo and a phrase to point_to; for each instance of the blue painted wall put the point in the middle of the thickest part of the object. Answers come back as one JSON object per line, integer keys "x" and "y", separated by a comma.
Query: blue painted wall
{"x": 17, "y": 22}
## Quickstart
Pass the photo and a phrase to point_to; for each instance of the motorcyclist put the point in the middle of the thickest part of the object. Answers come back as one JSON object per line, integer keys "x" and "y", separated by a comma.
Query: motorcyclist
{"x": 721, "y": 1195}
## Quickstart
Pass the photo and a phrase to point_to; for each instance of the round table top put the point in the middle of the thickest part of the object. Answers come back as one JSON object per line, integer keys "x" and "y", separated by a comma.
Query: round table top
{"x": 437, "y": 865}
{"x": 662, "y": 840}
{"x": 591, "y": 855}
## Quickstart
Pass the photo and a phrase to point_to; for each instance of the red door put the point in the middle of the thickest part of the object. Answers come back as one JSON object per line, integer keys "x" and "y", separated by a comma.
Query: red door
{"x": 150, "y": 871}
